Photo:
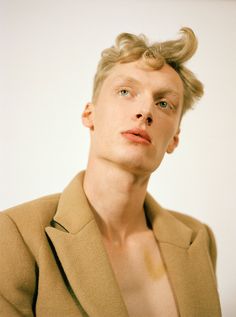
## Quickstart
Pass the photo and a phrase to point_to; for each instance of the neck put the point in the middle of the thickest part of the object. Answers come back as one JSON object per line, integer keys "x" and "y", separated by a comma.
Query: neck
{"x": 116, "y": 196}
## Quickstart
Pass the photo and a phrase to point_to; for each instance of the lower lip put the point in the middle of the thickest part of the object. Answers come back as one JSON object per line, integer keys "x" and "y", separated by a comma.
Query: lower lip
{"x": 135, "y": 138}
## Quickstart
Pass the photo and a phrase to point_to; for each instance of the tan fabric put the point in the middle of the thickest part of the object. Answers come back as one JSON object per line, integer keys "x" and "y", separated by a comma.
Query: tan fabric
{"x": 53, "y": 262}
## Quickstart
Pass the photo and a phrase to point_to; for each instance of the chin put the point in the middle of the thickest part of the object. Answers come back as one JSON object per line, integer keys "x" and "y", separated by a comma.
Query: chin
{"x": 132, "y": 160}
{"x": 138, "y": 164}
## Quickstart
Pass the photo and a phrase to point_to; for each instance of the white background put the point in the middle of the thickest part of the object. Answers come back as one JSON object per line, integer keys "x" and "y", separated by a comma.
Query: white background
{"x": 49, "y": 50}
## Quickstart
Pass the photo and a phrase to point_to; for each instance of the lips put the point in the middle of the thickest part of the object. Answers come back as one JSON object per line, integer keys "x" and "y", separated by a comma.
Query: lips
{"x": 137, "y": 135}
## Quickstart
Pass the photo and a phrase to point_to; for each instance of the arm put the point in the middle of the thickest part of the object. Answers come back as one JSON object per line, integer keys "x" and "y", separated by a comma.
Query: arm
{"x": 212, "y": 247}
{"x": 17, "y": 272}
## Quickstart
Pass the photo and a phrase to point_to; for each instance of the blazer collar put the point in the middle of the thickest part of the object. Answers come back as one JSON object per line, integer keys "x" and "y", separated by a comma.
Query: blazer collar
{"x": 186, "y": 256}
{"x": 80, "y": 249}
{"x": 78, "y": 244}
{"x": 166, "y": 227}
{"x": 74, "y": 212}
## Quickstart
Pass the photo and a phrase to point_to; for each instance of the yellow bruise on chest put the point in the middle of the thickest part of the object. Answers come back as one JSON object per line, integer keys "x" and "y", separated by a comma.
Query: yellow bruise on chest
{"x": 155, "y": 270}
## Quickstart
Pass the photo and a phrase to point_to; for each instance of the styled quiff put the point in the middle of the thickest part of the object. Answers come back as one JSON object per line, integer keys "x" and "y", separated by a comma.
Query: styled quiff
{"x": 129, "y": 48}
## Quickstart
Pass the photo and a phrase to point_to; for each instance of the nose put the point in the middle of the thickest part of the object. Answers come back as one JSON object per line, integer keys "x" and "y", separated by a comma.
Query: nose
{"x": 144, "y": 109}
{"x": 145, "y": 117}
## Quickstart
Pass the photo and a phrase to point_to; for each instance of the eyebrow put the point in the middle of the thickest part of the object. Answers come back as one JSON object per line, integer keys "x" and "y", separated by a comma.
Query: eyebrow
{"x": 167, "y": 91}
{"x": 128, "y": 80}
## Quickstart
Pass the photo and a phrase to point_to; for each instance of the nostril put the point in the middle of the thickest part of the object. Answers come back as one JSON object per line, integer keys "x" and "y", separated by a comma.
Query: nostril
{"x": 149, "y": 120}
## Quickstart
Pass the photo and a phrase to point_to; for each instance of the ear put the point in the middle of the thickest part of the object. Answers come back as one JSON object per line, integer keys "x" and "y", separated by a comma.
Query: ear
{"x": 173, "y": 143}
{"x": 88, "y": 116}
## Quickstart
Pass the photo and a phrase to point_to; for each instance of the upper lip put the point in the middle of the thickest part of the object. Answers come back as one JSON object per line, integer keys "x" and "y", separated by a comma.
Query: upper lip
{"x": 139, "y": 132}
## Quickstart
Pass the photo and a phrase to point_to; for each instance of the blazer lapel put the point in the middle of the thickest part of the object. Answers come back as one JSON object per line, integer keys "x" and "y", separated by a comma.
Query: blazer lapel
{"x": 83, "y": 257}
{"x": 79, "y": 247}
{"x": 187, "y": 261}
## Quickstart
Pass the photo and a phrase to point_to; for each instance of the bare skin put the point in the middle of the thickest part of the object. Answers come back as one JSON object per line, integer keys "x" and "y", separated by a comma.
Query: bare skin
{"x": 142, "y": 277}
{"x": 117, "y": 175}
{"x": 131, "y": 247}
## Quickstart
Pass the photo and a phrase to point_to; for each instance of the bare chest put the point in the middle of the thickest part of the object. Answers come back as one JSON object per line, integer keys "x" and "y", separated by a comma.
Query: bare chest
{"x": 142, "y": 278}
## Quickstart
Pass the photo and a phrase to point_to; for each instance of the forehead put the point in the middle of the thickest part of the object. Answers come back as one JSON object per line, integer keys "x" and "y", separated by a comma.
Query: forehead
{"x": 139, "y": 73}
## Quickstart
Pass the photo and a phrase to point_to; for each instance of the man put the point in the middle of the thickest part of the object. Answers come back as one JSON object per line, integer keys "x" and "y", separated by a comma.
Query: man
{"x": 104, "y": 247}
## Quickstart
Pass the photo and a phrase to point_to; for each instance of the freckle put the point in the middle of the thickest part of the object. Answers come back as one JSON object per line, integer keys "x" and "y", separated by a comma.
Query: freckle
{"x": 155, "y": 270}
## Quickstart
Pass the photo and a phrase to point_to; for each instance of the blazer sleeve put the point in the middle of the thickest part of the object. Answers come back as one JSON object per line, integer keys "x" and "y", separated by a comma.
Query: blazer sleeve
{"x": 212, "y": 247}
{"x": 17, "y": 272}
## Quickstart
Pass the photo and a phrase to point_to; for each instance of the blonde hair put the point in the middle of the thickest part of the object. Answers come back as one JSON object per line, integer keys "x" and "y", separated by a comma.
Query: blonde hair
{"x": 129, "y": 48}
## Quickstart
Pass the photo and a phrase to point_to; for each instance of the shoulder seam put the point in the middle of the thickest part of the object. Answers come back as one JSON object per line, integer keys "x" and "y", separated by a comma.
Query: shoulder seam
{"x": 13, "y": 222}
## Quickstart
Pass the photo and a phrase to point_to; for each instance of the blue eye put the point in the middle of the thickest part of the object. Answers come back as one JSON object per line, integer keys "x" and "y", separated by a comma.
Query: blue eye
{"x": 163, "y": 104}
{"x": 124, "y": 92}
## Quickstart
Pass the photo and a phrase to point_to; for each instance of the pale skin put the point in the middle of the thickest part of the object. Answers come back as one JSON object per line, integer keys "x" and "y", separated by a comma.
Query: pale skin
{"x": 119, "y": 167}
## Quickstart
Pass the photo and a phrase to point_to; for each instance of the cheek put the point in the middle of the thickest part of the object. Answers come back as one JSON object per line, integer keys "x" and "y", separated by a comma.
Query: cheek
{"x": 104, "y": 126}
{"x": 166, "y": 131}
{"x": 101, "y": 116}
{"x": 109, "y": 115}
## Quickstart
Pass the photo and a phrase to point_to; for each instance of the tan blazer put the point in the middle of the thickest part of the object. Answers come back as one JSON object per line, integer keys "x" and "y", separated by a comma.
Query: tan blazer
{"x": 53, "y": 262}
